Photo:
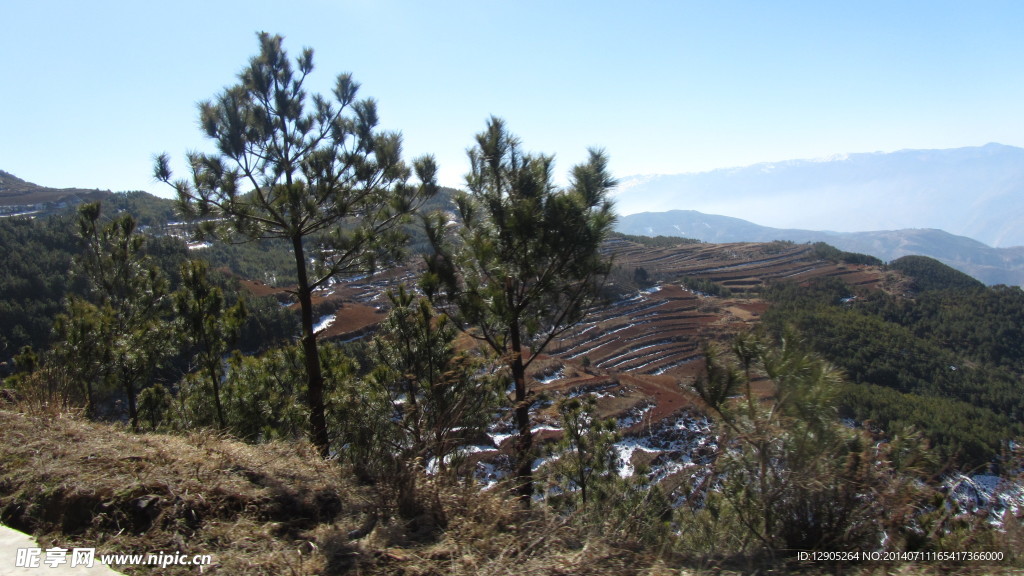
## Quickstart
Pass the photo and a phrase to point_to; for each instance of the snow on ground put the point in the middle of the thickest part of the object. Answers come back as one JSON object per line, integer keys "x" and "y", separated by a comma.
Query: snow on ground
{"x": 678, "y": 444}
{"x": 597, "y": 391}
{"x": 557, "y": 375}
{"x": 635, "y": 415}
{"x": 323, "y": 323}
{"x": 672, "y": 445}
{"x": 983, "y": 493}
{"x": 499, "y": 438}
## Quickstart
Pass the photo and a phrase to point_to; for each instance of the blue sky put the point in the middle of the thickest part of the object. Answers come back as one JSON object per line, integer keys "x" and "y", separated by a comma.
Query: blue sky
{"x": 92, "y": 90}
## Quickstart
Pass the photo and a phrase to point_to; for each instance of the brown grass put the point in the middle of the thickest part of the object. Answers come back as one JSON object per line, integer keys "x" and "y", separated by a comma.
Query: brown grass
{"x": 267, "y": 509}
{"x": 278, "y": 509}
{"x": 256, "y": 509}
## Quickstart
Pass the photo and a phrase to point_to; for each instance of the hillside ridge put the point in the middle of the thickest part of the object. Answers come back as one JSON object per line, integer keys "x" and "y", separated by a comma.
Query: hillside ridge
{"x": 17, "y": 195}
{"x": 990, "y": 265}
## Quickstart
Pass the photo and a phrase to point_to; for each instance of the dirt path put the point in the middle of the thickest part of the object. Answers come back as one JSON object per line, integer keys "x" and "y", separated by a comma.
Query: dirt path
{"x": 11, "y": 541}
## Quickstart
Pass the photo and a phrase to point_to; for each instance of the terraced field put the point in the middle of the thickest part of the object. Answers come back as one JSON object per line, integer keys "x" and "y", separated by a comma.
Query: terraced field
{"x": 738, "y": 266}
{"x": 659, "y": 330}
{"x": 638, "y": 355}
{"x": 655, "y": 331}
{"x": 649, "y": 333}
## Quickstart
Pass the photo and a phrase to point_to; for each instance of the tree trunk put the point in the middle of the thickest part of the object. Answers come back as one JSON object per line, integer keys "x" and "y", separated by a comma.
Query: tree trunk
{"x": 89, "y": 409}
{"x": 314, "y": 377}
{"x": 524, "y": 443}
{"x": 215, "y": 382}
{"x": 133, "y": 412}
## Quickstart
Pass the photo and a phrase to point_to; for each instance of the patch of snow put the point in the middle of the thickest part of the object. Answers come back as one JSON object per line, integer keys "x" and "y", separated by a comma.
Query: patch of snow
{"x": 635, "y": 415}
{"x": 557, "y": 375}
{"x": 630, "y": 355}
{"x": 668, "y": 367}
{"x": 499, "y": 438}
{"x": 488, "y": 474}
{"x": 323, "y": 323}
{"x": 985, "y": 493}
{"x": 625, "y": 450}
{"x": 595, "y": 391}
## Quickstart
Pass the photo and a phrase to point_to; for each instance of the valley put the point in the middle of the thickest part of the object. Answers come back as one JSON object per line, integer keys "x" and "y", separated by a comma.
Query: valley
{"x": 639, "y": 354}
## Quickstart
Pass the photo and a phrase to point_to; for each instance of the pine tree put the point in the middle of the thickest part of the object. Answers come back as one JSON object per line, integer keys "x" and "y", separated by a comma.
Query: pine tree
{"x": 526, "y": 264}
{"x": 793, "y": 476}
{"x": 423, "y": 400}
{"x": 441, "y": 400}
{"x": 119, "y": 336}
{"x": 314, "y": 173}
{"x": 83, "y": 350}
{"x": 210, "y": 325}
{"x": 586, "y": 451}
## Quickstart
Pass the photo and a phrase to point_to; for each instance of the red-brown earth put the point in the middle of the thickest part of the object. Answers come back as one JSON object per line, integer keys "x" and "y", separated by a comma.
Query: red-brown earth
{"x": 638, "y": 356}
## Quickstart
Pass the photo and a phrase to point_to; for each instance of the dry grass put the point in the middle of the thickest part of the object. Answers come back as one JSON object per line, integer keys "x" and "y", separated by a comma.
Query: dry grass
{"x": 279, "y": 509}
{"x": 267, "y": 509}
{"x": 256, "y": 509}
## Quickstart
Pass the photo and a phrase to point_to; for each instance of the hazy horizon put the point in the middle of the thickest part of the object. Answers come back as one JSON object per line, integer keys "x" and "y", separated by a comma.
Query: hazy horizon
{"x": 96, "y": 90}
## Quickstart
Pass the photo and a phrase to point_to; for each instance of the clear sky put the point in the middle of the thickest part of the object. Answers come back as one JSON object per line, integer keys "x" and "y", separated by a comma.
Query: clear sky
{"x": 91, "y": 91}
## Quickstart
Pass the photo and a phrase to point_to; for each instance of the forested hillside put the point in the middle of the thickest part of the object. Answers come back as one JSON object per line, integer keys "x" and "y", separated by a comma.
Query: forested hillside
{"x": 38, "y": 274}
{"x": 946, "y": 357}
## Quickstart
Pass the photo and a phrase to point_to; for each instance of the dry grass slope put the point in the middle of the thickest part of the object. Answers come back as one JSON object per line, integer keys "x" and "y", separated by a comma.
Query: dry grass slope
{"x": 267, "y": 509}
{"x": 278, "y": 509}
{"x": 264, "y": 509}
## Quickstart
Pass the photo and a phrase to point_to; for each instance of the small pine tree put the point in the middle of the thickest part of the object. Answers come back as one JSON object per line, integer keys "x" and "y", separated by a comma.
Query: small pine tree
{"x": 209, "y": 325}
{"x": 792, "y": 477}
{"x": 422, "y": 401}
{"x": 119, "y": 336}
{"x": 585, "y": 455}
{"x": 526, "y": 265}
{"x": 154, "y": 403}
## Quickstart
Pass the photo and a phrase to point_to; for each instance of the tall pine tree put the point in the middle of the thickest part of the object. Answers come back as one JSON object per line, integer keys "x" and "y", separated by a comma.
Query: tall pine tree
{"x": 314, "y": 172}
{"x": 526, "y": 264}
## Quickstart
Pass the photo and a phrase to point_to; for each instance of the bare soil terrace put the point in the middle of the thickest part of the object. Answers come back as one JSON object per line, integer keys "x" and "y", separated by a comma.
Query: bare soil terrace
{"x": 639, "y": 356}
{"x": 642, "y": 350}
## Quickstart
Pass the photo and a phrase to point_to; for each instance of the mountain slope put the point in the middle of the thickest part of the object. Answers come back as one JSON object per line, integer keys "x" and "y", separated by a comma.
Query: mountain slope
{"x": 15, "y": 192}
{"x": 976, "y": 192}
{"x": 990, "y": 265}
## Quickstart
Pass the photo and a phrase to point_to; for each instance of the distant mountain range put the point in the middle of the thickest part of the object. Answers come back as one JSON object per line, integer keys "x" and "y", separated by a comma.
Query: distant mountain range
{"x": 975, "y": 192}
{"x": 990, "y": 265}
